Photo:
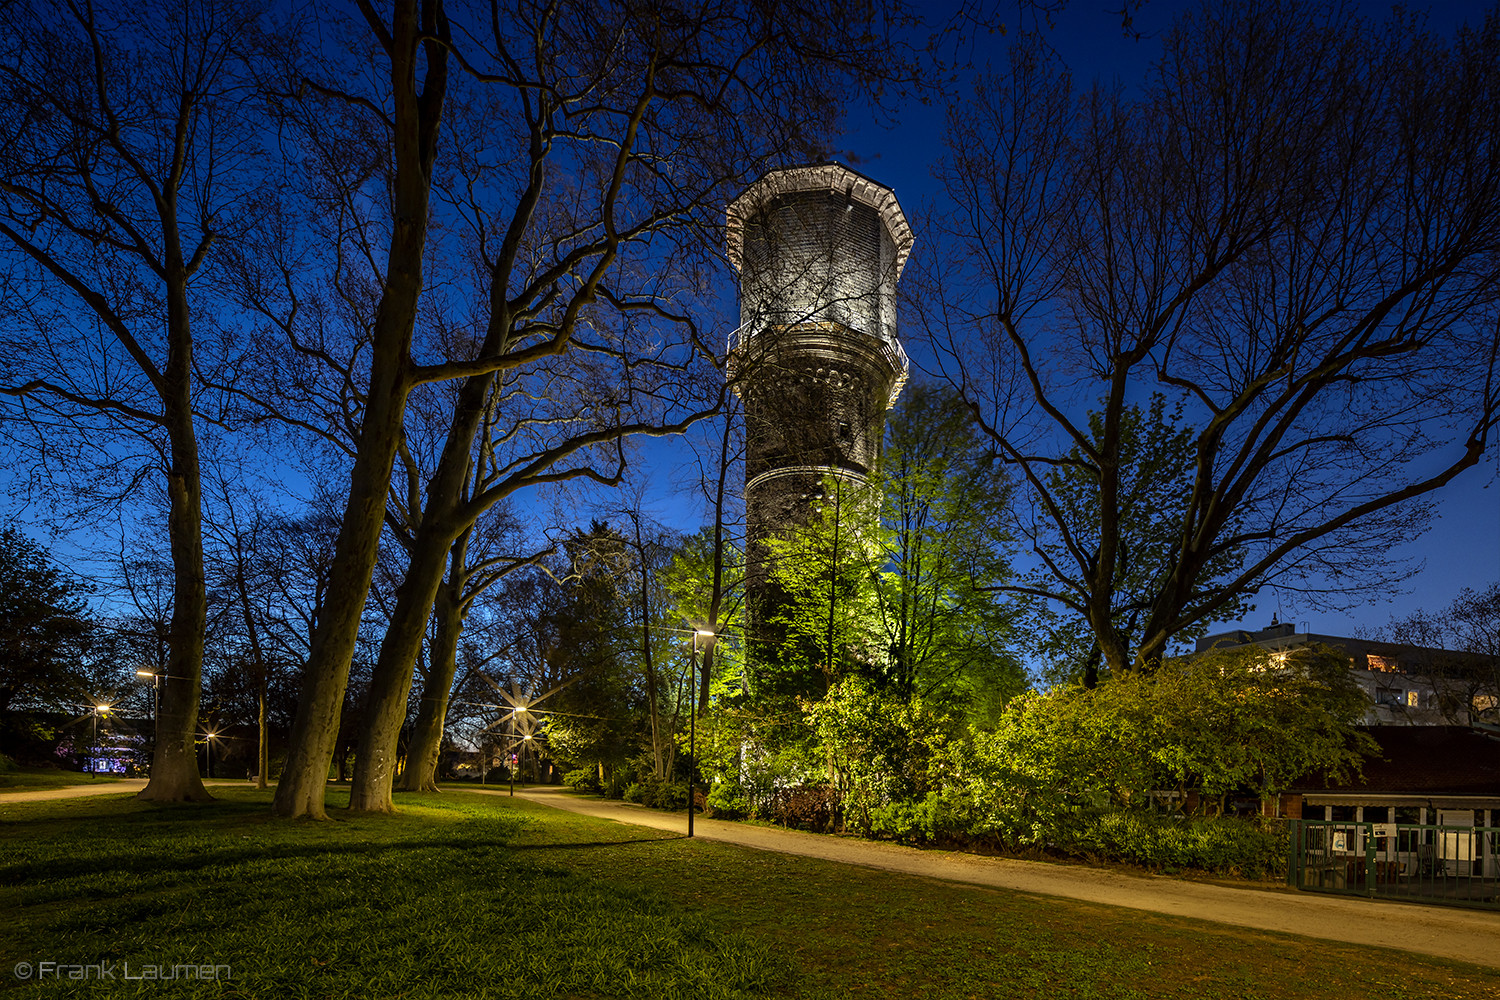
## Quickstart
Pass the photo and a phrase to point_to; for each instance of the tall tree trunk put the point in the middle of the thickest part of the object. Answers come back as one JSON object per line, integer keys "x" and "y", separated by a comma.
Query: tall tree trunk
{"x": 432, "y": 710}
{"x": 174, "y": 766}
{"x": 316, "y": 727}
{"x": 390, "y": 685}
{"x": 416, "y": 117}
{"x": 263, "y": 758}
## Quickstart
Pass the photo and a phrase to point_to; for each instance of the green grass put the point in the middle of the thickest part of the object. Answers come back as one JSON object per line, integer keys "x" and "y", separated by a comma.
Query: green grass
{"x": 485, "y": 896}
{"x": 32, "y": 779}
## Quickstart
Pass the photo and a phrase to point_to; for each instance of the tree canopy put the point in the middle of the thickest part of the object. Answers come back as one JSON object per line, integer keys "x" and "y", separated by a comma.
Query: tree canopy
{"x": 45, "y": 628}
{"x": 1289, "y": 232}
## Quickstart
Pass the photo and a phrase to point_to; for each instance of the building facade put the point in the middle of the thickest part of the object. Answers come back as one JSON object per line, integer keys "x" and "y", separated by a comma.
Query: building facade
{"x": 1407, "y": 685}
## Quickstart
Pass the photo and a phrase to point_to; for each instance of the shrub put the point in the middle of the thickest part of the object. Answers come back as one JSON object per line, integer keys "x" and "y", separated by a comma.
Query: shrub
{"x": 6, "y": 764}
{"x": 657, "y": 794}
{"x": 726, "y": 799}
{"x": 905, "y": 822}
{"x": 585, "y": 779}
{"x": 948, "y": 815}
{"x": 879, "y": 747}
{"x": 1221, "y": 845}
{"x": 670, "y": 795}
{"x": 815, "y": 807}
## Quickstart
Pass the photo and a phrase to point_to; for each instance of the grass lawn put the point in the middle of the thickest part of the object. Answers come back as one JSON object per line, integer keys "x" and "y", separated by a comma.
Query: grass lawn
{"x": 31, "y": 779}
{"x": 464, "y": 895}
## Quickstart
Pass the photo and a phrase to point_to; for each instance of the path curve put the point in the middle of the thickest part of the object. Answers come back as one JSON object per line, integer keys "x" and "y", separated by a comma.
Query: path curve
{"x": 1465, "y": 935}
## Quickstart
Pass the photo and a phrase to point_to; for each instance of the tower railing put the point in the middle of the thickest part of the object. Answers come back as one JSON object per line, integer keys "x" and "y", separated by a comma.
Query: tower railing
{"x": 894, "y": 353}
{"x": 743, "y": 334}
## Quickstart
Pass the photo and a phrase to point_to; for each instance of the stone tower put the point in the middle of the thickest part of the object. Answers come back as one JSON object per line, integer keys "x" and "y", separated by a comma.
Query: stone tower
{"x": 815, "y": 359}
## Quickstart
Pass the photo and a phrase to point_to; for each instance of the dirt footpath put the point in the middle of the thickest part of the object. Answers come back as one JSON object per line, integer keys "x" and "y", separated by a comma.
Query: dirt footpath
{"x": 1466, "y": 935}
{"x": 131, "y": 785}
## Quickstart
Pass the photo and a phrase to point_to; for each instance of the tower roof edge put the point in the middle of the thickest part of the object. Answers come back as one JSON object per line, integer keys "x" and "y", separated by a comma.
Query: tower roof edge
{"x": 832, "y": 177}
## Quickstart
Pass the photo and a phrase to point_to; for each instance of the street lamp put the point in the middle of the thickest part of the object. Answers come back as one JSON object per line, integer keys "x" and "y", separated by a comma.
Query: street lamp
{"x": 150, "y": 675}
{"x": 514, "y": 764}
{"x": 208, "y": 751}
{"x": 94, "y": 748}
{"x": 693, "y": 717}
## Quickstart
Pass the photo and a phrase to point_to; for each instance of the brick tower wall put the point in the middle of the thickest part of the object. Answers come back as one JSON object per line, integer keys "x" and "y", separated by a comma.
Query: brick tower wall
{"x": 817, "y": 362}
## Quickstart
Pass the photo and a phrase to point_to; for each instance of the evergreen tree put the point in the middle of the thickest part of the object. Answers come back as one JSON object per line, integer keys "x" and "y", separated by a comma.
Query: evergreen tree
{"x": 44, "y": 628}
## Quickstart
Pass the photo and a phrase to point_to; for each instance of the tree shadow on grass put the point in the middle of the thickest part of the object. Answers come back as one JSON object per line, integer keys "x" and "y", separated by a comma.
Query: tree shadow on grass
{"x": 123, "y": 854}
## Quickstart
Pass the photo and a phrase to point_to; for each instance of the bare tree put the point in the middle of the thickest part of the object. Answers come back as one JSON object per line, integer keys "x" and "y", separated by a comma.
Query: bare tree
{"x": 127, "y": 151}
{"x": 1461, "y": 653}
{"x": 1292, "y": 232}
{"x": 588, "y": 152}
{"x": 470, "y": 576}
{"x": 720, "y": 456}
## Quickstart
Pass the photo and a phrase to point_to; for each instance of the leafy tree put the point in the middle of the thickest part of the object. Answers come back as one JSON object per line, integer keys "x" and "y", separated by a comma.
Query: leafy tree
{"x": 826, "y": 569}
{"x": 1154, "y": 480}
{"x": 1289, "y": 229}
{"x": 669, "y": 688}
{"x": 705, "y": 588}
{"x": 45, "y": 629}
{"x": 940, "y": 613}
{"x": 899, "y": 579}
{"x": 573, "y": 634}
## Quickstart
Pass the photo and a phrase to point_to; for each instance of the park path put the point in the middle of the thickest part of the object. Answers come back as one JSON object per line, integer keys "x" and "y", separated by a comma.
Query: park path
{"x": 1465, "y": 935}
{"x": 131, "y": 785}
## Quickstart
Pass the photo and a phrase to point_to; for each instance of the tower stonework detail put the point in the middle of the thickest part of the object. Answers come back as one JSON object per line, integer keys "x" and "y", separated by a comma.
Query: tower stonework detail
{"x": 816, "y": 359}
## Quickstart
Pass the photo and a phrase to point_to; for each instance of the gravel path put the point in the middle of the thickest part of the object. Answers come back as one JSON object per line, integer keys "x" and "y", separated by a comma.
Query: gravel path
{"x": 1465, "y": 935}
{"x": 131, "y": 785}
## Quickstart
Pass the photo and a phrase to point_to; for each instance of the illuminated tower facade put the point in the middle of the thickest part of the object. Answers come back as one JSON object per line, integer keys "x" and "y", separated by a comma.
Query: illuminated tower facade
{"x": 815, "y": 359}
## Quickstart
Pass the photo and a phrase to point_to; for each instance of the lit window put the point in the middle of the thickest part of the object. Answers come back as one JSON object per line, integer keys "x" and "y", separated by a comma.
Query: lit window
{"x": 1385, "y": 664}
{"x": 1413, "y": 699}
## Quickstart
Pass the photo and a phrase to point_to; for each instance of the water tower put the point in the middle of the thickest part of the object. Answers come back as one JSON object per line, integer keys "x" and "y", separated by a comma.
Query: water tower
{"x": 815, "y": 359}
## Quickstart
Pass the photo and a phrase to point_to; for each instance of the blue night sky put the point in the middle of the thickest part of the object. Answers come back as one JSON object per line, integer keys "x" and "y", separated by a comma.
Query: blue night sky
{"x": 1462, "y": 549}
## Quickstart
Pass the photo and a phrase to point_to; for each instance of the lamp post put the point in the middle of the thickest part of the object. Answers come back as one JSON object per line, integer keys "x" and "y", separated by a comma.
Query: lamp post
{"x": 94, "y": 743}
{"x": 155, "y": 680}
{"x": 693, "y": 719}
{"x": 208, "y": 751}
{"x": 514, "y": 764}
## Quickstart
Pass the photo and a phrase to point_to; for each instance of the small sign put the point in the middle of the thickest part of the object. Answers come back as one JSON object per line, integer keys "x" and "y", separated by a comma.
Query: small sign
{"x": 1383, "y": 830}
{"x": 1340, "y": 842}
